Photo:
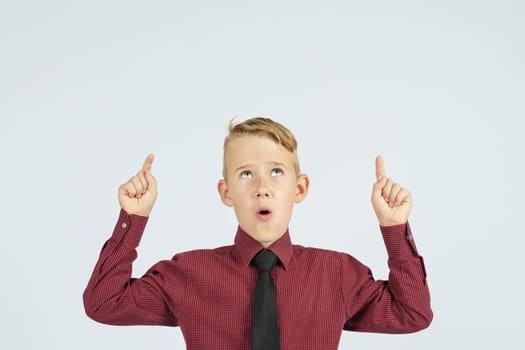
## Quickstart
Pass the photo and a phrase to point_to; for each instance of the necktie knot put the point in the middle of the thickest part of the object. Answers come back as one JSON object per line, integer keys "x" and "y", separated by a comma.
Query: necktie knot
{"x": 265, "y": 260}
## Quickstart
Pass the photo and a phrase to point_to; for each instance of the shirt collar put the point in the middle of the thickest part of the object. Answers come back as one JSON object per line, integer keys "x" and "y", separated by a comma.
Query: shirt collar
{"x": 247, "y": 247}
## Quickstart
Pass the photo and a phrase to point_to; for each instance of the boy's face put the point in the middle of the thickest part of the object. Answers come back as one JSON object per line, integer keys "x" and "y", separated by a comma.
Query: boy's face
{"x": 261, "y": 186}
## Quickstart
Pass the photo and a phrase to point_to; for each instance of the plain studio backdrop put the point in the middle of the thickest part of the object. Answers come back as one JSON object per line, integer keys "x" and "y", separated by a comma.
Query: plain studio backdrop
{"x": 89, "y": 88}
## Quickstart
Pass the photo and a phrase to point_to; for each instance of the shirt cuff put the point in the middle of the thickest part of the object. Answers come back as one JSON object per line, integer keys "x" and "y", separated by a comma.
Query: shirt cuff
{"x": 129, "y": 229}
{"x": 399, "y": 240}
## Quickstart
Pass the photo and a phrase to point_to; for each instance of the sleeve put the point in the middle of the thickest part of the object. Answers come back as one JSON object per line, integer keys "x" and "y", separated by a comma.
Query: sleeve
{"x": 112, "y": 296}
{"x": 399, "y": 305}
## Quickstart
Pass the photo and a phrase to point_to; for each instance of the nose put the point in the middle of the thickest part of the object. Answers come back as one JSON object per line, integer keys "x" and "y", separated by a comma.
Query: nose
{"x": 262, "y": 189}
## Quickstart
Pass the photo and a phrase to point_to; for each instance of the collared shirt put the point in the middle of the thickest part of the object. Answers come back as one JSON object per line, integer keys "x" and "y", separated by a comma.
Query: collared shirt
{"x": 209, "y": 293}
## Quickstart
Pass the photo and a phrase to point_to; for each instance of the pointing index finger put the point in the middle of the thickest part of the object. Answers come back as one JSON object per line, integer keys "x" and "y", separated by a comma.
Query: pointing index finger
{"x": 148, "y": 163}
{"x": 380, "y": 167}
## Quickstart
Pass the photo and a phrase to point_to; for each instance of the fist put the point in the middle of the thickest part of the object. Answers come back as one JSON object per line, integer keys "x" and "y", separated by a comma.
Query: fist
{"x": 138, "y": 195}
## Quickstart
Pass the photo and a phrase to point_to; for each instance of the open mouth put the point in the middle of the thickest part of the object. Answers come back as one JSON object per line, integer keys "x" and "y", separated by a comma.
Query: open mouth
{"x": 264, "y": 214}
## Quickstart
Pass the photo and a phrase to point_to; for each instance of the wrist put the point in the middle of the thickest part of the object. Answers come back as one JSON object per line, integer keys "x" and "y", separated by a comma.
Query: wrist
{"x": 389, "y": 223}
{"x": 143, "y": 213}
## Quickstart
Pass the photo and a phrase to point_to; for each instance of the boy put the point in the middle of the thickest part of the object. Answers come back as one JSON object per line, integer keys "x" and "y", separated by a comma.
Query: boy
{"x": 303, "y": 299}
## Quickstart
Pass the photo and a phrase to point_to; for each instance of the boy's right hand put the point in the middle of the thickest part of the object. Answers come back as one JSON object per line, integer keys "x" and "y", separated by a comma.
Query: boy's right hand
{"x": 138, "y": 195}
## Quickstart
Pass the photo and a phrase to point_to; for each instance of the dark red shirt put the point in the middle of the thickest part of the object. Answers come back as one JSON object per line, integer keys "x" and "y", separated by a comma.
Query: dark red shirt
{"x": 209, "y": 293}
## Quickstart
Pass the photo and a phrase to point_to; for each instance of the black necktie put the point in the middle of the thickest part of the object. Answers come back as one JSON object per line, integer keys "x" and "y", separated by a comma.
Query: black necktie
{"x": 265, "y": 331}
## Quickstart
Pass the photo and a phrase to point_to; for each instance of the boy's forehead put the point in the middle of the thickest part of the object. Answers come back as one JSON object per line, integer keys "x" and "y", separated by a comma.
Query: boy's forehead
{"x": 255, "y": 148}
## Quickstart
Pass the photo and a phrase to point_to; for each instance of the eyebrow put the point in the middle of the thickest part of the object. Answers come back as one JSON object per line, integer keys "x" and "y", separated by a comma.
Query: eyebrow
{"x": 277, "y": 164}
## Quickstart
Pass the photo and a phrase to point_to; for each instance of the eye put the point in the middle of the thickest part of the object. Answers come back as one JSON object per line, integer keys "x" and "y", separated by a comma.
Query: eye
{"x": 277, "y": 172}
{"x": 246, "y": 174}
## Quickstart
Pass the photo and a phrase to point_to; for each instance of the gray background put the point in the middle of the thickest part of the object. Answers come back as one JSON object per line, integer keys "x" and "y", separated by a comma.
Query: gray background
{"x": 88, "y": 89}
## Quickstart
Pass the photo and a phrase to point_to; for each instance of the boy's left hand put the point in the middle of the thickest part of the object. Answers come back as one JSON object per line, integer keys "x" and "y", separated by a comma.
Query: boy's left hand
{"x": 391, "y": 202}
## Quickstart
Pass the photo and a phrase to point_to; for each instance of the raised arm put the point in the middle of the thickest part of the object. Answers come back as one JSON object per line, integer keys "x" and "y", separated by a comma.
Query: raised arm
{"x": 401, "y": 304}
{"x": 112, "y": 296}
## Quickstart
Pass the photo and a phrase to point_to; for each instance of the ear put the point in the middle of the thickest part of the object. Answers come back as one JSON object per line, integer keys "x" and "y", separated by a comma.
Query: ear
{"x": 224, "y": 193}
{"x": 303, "y": 183}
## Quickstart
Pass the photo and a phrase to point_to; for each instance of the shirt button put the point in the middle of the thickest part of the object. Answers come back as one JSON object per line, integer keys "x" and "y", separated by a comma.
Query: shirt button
{"x": 124, "y": 225}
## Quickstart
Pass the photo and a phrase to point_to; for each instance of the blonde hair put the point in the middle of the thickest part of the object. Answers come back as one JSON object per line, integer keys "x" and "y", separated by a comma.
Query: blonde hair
{"x": 263, "y": 127}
